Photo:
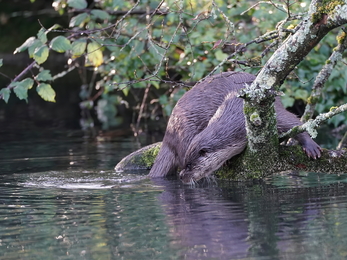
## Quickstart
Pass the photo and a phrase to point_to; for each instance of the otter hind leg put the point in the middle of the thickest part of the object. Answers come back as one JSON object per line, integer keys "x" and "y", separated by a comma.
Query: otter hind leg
{"x": 165, "y": 164}
{"x": 287, "y": 120}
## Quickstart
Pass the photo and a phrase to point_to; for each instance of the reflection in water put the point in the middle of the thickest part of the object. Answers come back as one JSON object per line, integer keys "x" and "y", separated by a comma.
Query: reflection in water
{"x": 242, "y": 220}
{"x": 206, "y": 224}
{"x": 68, "y": 203}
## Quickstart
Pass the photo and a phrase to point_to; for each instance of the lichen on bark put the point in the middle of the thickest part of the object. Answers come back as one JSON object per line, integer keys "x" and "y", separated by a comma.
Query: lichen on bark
{"x": 261, "y": 135}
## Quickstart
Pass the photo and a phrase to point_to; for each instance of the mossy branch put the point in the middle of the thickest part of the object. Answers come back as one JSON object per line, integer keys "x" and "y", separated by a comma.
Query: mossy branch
{"x": 290, "y": 158}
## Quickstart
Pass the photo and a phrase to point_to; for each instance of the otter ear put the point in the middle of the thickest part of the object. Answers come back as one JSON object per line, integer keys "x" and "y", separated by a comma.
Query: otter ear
{"x": 202, "y": 152}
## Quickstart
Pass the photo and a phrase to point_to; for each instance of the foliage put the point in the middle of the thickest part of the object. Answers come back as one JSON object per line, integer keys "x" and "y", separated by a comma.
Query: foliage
{"x": 126, "y": 45}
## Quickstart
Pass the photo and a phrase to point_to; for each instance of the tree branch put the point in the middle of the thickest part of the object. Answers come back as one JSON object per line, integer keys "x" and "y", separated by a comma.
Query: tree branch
{"x": 323, "y": 76}
{"x": 311, "y": 125}
{"x": 259, "y": 96}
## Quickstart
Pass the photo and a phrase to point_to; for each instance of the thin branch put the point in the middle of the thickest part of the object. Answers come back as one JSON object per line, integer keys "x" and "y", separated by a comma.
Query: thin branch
{"x": 343, "y": 143}
{"x": 266, "y": 37}
{"x": 261, "y": 2}
{"x": 311, "y": 125}
{"x": 142, "y": 107}
{"x": 323, "y": 77}
{"x": 230, "y": 24}
{"x": 156, "y": 11}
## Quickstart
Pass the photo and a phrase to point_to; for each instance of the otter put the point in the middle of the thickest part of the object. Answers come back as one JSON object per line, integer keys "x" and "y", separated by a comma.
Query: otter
{"x": 207, "y": 127}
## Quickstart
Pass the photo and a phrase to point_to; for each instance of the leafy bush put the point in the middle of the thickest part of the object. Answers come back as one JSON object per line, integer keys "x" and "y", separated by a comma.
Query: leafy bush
{"x": 128, "y": 46}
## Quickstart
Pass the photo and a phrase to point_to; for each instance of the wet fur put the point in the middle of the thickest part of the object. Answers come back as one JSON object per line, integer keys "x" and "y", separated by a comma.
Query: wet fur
{"x": 207, "y": 128}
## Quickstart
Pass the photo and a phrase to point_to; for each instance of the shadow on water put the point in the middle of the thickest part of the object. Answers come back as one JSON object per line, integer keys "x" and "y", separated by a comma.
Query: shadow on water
{"x": 66, "y": 202}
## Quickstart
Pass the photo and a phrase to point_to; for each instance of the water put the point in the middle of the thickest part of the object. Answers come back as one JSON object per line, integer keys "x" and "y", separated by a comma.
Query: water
{"x": 61, "y": 199}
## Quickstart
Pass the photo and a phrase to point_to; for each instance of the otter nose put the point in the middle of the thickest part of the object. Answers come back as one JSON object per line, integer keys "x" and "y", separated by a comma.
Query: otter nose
{"x": 180, "y": 175}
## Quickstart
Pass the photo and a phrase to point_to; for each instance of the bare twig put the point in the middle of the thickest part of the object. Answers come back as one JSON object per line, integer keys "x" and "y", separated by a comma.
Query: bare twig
{"x": 142, "y": 107}
{"x": 343, "y": 143}
{"x": 323, "y": 76}
{"x": 266, "y": 37}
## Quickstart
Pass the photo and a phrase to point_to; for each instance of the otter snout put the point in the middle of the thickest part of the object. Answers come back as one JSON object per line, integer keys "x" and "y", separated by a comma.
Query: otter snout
{"x": 186, "y": 177}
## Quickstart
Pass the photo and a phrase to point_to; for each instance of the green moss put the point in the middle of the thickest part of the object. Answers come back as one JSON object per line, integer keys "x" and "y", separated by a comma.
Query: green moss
{"x": 325, "y": 7}
{"x": 307, "y": 117}
{"x": 140, "y": 159}
{"x": 328, "y": 6}
{"x": 341, "y": 37}
{"x": 312, "y": 100}
{"x": 327, "y": 62}
{"x": 255, "y": 119}
{"x": 291, "y": 27}
{"x": 256, "y": 61}
{"x": 316, "y": 17}
{"x": 293, "y": 151}
{"x": 254, "y": 116}
{"x": 248, "y": 110}
{"x": 149, "y": 155}
{"x": 333, "y": 109}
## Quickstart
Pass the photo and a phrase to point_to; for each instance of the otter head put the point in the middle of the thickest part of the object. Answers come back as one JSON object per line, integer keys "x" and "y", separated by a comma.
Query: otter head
{"x": 202, "y": 159}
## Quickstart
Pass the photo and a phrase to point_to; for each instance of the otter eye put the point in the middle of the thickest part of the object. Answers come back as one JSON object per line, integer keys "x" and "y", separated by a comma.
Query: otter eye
{"x": 189, "y": 166}
{"x": 202, "y": 152}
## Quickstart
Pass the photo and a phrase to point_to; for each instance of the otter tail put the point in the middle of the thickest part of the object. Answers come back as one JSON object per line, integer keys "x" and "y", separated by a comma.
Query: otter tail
{"x": 165, "y": 164}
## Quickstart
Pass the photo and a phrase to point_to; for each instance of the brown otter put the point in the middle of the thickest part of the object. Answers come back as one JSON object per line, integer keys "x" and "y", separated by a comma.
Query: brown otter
{"x": 207, "y": 127}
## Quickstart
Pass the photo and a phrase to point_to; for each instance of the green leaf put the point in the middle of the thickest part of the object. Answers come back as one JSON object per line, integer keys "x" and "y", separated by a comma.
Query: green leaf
{"x": 5, "y": 93}
{"x": 126, "y": 90}
{"x": 27, "y": 83}
{"x": 220, "y": 56}
{"x": 21, "y": 88}
{"x": 163, "y": 100}
{"x": 79, "y": 20}
{"x": 111, "y": 45}
{"x": 41, "y": 35}
{"x": 41, "y": 54}
{"x": 94, "y": 55}
{"x": 78, "y": 47}
{"x": 100, "y": 14}
{"x": 44, "y": 75}
{"x": 87, "y": 104}
{"x": 77, "y": 4}
{"x": 53, "y": 27}
{"x": 21, "y": 92}
{"x": 301, "y": 94}
{"x": 25, "y": 45}
{"x": 155, "y": 84}
{"x": 60, "y": 44}
{"x": 37, "y": 43}
{"x": 46, "y": 92}
{"x": 1, "y": 60}
{"x": 287, "y": 101}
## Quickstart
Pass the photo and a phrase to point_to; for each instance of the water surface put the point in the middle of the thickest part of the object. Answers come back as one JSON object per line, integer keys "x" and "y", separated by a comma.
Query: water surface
{"x": 61, "y": 199}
